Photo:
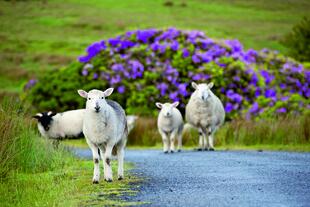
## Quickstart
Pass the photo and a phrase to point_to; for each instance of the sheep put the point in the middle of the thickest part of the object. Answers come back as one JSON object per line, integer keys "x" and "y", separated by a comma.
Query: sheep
{"x": 67, "y": 124}
{"x": 205, "y": 112}
{"x": 170, "y": 123}
{"x": 60, "y": 125}
{"x": 105, "y": 128}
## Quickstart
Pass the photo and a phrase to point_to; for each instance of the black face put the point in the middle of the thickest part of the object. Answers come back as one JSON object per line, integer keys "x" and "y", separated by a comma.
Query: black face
{"x": 45, "y": 119}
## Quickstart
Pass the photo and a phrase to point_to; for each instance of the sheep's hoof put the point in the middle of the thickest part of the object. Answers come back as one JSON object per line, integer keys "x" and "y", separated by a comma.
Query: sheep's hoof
{"x": 172, "y": 151}
{"x": 206, "y": 149}
{"x": 211, "y": 149}
{"x": 109, "y": 180}
{"x": 120, "y": 178}
{"x": 199, "y": 149}
{"x": 179, "y": 150}
{"x": 166, "y": 152}
{"x": 95, "y": 181}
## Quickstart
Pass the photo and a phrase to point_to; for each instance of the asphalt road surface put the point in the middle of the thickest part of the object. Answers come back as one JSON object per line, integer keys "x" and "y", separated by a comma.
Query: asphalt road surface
{"x": 221, "y": 178}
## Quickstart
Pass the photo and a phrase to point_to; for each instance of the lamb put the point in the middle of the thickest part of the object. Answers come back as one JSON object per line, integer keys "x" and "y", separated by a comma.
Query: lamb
{"x": 60, "y": 125}
{"x": 105, "y": 128}
{"x": 170, "y": 123}
{"x": 205, "y": 112}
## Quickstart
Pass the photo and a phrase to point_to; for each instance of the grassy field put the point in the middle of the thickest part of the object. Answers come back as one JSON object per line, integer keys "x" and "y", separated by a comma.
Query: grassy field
{"x": 34, "y": 173}
{"x": 41, "y": 35}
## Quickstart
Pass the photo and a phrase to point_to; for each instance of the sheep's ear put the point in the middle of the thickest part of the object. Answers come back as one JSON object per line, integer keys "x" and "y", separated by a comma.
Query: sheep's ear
{"x": 194, "y": 85}
{"x": 37, "y": 116}
{"x": 50, "y": 113}
{"x": 159, "y": 105}
{"x": 83, "y": 93}
{"x": 175, "y": 104}
{"x": 210, "y": 85}
{"x": 108, "y": 92}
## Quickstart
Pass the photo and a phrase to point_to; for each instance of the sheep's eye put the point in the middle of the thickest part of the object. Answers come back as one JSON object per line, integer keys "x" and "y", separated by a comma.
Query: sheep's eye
{"x": 88, "y": 98}
{"x": 101, "y": 97}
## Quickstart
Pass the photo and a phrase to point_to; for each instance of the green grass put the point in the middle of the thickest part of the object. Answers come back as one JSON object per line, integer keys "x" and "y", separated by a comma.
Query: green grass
{"x": 80, "y": 143}
{"x": 34, "y": 173}
{"x": 273, "y": 147}
{"x": 68, "y": 186}
{"x": 21, "y": 148}
{"x": 41, "y": 35}
{"x": 290, "y": 133}
{"x": 279, "y": 133}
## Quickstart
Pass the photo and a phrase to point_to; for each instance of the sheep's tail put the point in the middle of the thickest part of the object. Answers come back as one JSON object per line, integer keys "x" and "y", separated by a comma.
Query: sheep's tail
{"x": 187, "y": 127}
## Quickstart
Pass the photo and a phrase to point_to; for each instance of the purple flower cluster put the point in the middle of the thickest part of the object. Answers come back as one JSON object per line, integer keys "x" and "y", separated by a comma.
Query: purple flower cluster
{"x": 162, "y": 63}
{"x": 30, "y": 84}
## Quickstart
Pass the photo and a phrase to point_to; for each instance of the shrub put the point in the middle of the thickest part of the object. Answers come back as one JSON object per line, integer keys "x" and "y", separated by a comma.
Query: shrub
{"x": 298, "y": 41}
{"x": 151, "y": 65}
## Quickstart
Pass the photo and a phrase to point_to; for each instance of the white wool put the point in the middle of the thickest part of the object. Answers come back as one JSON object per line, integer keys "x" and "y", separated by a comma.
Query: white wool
{"x": 105, "y": 128}
{"x": 66, "y": 124}
{"x": 170, "y": 126}
{"x": 206, "y": 115}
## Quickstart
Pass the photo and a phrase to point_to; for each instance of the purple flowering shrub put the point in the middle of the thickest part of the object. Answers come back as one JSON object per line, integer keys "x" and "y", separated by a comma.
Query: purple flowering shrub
{"x": 146, "y": 66}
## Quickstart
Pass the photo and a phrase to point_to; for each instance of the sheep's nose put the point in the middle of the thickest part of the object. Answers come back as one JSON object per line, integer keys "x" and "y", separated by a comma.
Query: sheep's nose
{"x": 97, "y": 108}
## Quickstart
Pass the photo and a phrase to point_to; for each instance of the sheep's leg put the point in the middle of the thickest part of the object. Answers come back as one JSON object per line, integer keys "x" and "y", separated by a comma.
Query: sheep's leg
{"x": 205, "y": 143}
{"x": 165, "y": 141}
{"x": 200, "y": 140}
{"x": 172, "y": 141}
{"x": 210, "y": 138}
{"x": 108, "y": 176}
{"x": 95, "y": 153}
{"x": 120, "y": 162}
{"x": 179, "y": 142}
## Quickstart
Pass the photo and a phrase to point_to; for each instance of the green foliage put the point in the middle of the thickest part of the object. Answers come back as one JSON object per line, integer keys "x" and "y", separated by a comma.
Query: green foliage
{"x": 298, "y": 40}
{"x": 50, "y": 93}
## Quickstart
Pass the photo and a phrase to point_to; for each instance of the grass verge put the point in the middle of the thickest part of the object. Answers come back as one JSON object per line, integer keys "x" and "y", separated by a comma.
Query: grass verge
{"x": 278, "y": 133}
{"x": 68, "y": 186}
{"x": 33, "y": 173}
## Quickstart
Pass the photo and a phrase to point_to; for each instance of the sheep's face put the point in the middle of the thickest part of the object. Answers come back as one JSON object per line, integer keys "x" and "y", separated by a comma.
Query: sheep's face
{"x": 45, "y": 119}
{"x": 95, "y": 99}
{"x": 202, "y": 90}
{"x": 167, "y": 108}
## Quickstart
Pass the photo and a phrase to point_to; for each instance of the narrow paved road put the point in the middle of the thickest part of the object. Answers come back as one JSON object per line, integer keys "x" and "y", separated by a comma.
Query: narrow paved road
{"x": 221, "y": 178}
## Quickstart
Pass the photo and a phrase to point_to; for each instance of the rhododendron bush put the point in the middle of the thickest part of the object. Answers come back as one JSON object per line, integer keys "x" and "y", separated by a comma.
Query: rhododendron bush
{"x": 146, "y": 66}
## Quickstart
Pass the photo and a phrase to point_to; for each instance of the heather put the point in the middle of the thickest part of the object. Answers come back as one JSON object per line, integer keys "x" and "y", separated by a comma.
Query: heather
{"x": 153, "y": 64}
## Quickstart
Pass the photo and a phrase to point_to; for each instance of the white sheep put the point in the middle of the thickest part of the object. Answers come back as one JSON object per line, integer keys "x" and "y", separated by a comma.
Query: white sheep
{"x": 60, "y": 125}
{"x": 105, "y": 128}
{"x": 170, "y": 123}
{"x": 205, "y": 111}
